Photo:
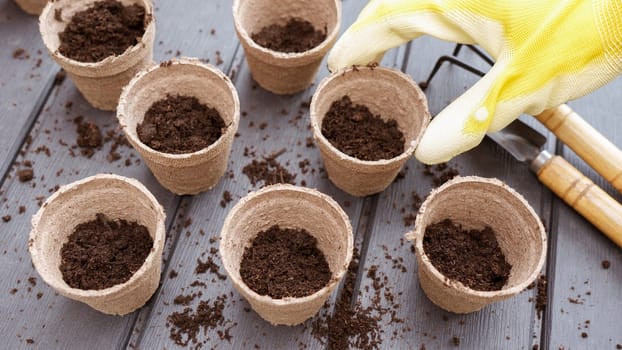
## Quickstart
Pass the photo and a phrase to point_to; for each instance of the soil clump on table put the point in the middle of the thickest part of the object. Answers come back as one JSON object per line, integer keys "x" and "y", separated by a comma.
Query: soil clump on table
{"x": 201, "y": 320}
{"x": 297, "y": 35}
{"x": 472, "y": 257}
{"x": 268, "y": 171}
{"x": 284, "y": 262}
{"x": 102, "y": 253}
{"x": 357, "y": 132}
{"x": 107, "y": 28}
{"x": 186, "y": 325}
{"x": 180, "y": 124}
{"x": 89, "y": 136}
{"x": 25, "y": 175}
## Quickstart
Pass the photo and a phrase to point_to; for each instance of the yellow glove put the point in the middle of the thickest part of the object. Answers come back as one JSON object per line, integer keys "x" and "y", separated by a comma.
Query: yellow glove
{"x": 547, "y": 52}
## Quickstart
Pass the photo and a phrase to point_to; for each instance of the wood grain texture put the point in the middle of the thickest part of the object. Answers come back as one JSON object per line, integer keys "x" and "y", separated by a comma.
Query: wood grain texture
{"x": 59, "y": 322}
{"x": 52, "y": 320}
{"x": 579, "y": 192}
{"x": 25, "y": 78}
{"x": 511, "y": 324}
{"x": 578, "y": 275}
{"x": 589, "y": 144}
{"x": 269, "y": 123}
{"x": 576, "y": 252}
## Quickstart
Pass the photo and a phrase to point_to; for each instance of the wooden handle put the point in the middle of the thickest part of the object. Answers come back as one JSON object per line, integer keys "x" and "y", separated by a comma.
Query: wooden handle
{"x": 584, "y": 196}
{"x": 595, "y": 149}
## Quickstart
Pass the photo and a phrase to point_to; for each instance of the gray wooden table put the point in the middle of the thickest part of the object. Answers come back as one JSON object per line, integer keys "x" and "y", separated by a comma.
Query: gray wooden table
{"x": 36, "y": 113}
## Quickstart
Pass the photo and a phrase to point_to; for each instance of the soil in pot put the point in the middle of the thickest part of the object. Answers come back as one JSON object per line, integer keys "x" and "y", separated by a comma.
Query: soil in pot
{"x": 107, "y": 28}
{"x": 284, "y": 262}
{"x": 102, "y": 253}
{"x": 297, "y": 35}
{"x": 472, "y": 257}
{"x": 180, "y": 124}
{"x": 357, "y": 132}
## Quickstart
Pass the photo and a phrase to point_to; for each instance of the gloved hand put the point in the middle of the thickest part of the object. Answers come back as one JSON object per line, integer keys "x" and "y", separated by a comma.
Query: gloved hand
{"x": 547, "y": 52}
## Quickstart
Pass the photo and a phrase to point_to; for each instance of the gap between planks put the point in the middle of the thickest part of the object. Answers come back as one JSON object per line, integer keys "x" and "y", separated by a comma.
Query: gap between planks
{"x": 135, "y": 333}
{"x": 37, "y": 108}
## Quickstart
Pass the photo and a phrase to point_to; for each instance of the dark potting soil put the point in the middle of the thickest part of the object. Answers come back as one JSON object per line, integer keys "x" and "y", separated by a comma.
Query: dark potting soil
{"x": 186, "y": 326}
{"x": 541, "y": 295}
{"x": 180, "y": 124}
{"x": 284, "y": 262}
{"x": 356, "y": 326}
{"x": 297, "y": 35}
{"x": 25, "y": 175}
{"x": 105, "y": 29}
{"x": 89, "y": 136}
{"x": 472, "y": 257}
{"x": 440, "y": 173}
{"x": 268, "y": 171}
{"x": 606, "y": 264}
{"x": 102, "y": 253}
{"x": 355, "y": 131}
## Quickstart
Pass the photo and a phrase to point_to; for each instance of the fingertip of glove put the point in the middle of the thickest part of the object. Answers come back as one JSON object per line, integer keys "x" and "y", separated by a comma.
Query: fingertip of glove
{"x": 431, "y": 157}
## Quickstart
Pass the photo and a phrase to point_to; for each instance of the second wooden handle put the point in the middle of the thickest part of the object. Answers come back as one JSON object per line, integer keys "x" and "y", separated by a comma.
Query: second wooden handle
{"x": 595, "y": 149}
{"x": 584, "y": 196}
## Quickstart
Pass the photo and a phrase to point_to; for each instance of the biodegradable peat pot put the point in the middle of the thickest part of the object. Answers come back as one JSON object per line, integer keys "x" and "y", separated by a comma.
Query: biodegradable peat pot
{"x": 116, "y": 197}
{"x": 386, "y": 92}
{"x": 289, "y": 207}
{"x": 474, "y": 203}
{"x": 188, "y": 173}
{"x": 280, "y": 72}
{"x": 99, "y": 82}
{"x": 32, "y": 7}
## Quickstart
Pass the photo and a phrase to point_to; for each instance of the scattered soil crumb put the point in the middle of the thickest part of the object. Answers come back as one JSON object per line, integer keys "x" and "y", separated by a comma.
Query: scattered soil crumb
{"x": 20, "y": 54}
{"x": 60, "y": 77}
{"x": 541, "y": 297}
{"x": 186, "y": 325}
{"x": 411, "y": 212}
{"x": 455, "y": 341}
{"x": 209, "y": 265}
{"x": 268, "y": 170}
{"x": 89, "y": 136}
{"x": 352, "y": 326}
{"x": 226, "y": 199}
{"x": 440, "y": 173}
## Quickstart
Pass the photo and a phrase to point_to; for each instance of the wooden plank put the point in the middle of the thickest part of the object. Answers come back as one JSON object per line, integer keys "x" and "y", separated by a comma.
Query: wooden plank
{"x": 286, "y": 128}
{"x": 196, "y": 29}
{"x": 26, "y": 78}
{"x": 583, "y": 290}
{"x": 208, "y": 215}
{"x": 51, "y": 318}
{"x": 511, "y": 324}
{"x": 56, "y": 321}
